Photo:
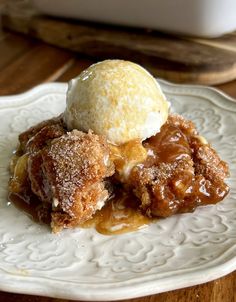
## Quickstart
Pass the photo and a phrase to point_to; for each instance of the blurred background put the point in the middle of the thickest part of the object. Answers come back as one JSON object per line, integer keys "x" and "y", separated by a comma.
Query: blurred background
{"x": 181, "y": 41}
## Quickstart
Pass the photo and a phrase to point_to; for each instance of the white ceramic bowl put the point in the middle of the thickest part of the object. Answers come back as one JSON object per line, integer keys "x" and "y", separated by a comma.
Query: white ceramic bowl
{"x": 207, "y": 18}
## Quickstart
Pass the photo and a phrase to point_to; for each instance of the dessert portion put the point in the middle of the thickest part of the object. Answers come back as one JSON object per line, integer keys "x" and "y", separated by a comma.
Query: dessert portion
{"x": 114, "y": 158}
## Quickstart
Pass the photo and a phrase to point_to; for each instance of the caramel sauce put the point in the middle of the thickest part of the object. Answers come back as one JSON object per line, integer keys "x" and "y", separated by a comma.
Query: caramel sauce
{"x": 20, "y": 193}
{"x": 168, "y": 145}
{"x": 26, "y": 204}
{"x": 119, "y": 215}
{"x": 185, "y": 191}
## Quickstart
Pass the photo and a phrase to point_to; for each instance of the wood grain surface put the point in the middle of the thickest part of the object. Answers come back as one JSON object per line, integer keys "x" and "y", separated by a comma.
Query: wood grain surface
{"x": 26, "y": 63}
{"x": 177, "y": 59}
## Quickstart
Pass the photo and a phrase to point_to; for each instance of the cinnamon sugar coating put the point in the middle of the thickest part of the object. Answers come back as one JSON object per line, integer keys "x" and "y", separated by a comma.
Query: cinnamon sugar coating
{"x": 74, "y": 167}
{"x": 67, "y": 171}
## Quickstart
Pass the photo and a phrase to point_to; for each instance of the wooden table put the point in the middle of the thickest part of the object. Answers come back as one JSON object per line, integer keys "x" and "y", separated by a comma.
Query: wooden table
{"x": 25, "y": 63}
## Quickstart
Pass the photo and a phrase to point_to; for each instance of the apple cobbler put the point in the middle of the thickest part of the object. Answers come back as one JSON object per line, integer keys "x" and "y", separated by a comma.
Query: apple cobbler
{"x": 68, "y": 176}
{"x": 115, "y": 158}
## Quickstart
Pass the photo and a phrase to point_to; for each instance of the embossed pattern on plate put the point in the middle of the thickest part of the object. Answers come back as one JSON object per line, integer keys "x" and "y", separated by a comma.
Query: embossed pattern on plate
{"x": 180, "y": 251}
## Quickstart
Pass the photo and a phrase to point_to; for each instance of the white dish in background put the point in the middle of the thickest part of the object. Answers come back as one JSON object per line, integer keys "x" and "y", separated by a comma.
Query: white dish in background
{"x": 176, "y": 252}
{"x": 206, "y": 18}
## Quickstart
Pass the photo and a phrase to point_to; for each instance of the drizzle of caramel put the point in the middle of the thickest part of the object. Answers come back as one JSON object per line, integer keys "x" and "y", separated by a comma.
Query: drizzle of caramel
{"x": 189, "y": 189}
{"x": 120, "y": 215}
{"x": 169, "y": 145}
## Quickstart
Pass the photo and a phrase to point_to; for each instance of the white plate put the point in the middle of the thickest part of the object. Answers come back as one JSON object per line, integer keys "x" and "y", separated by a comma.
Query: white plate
{"x": 180, "y": 251}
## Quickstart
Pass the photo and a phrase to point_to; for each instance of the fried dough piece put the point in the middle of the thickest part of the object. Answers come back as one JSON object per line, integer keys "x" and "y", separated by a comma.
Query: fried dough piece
{"x": 182, "y": 172}
{"x": 72, "y": 176}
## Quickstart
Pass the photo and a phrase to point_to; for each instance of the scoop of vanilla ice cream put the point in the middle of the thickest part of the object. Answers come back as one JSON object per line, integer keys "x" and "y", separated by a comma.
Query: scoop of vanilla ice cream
{"x": 118, "y": 99}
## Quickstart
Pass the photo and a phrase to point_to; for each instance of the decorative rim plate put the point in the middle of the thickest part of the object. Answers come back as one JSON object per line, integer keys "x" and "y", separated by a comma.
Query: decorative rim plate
{"x": 176, "y": 252}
